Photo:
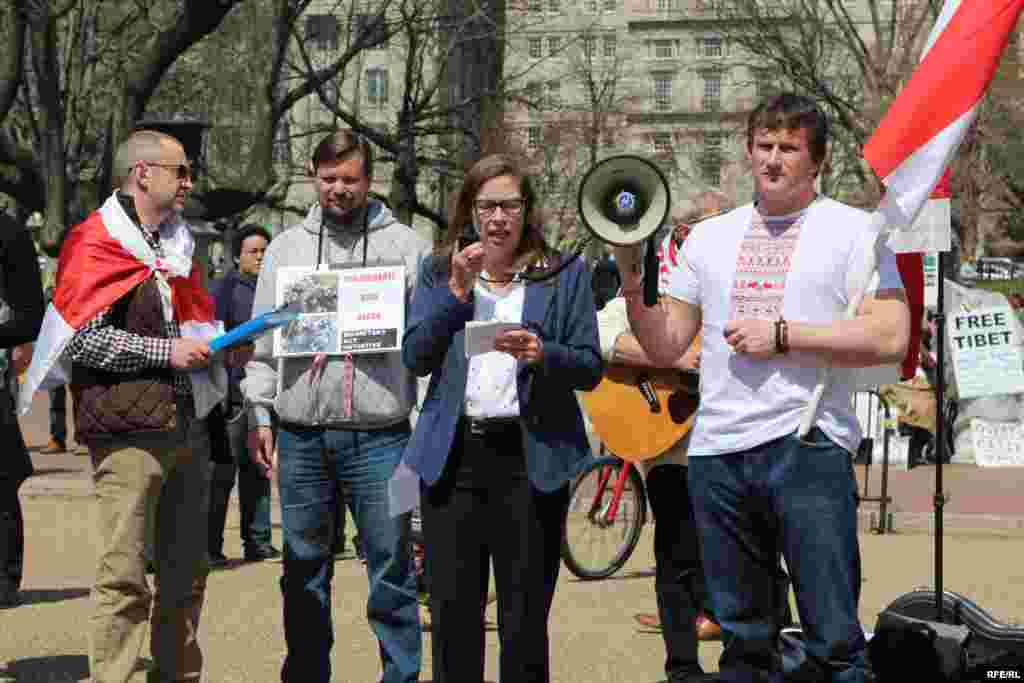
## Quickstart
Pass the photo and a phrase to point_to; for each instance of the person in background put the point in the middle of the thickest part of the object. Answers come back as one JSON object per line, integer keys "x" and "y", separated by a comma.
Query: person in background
{"x": 21, "y": 313}
{"x": 233, "y": 295}
{"x": 500, "y": 434}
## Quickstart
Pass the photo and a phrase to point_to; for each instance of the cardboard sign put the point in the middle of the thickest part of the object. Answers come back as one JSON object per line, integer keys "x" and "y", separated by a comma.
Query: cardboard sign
{"x": 997, "y": 444}
{"x": 986, "y": 352}
{"x": 343, "y": 310}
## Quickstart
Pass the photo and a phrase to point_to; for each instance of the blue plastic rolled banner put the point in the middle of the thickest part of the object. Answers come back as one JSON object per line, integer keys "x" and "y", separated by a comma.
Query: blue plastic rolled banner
{"x": 256, "y": 327}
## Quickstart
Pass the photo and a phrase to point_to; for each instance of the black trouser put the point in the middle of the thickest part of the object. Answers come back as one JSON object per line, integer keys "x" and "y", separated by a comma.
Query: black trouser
{"x": 679, "y": 576}
{"x": 482, "y": 509}
{"x": 12, "y": 535}
{"x": 59, "y": 413}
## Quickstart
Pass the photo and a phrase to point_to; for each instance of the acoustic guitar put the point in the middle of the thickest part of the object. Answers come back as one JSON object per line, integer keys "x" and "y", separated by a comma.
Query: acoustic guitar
{"x": 639, "y": 413}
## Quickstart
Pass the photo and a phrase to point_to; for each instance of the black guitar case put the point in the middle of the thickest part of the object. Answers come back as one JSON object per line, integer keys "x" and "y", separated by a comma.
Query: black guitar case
{"x": 990, "y": 645}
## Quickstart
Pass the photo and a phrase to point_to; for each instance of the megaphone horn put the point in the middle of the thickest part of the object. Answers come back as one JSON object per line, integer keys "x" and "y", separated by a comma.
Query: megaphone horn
{"x": 624, "y": 199}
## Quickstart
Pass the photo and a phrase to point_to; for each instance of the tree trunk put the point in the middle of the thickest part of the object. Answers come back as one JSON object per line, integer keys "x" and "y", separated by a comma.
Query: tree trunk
{"x": 474, "y": 76}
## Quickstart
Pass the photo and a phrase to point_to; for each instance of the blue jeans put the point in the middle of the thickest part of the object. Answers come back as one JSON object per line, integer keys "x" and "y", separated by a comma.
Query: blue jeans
{"x": 311, "y": 463}
{"x": 799, "y": 497}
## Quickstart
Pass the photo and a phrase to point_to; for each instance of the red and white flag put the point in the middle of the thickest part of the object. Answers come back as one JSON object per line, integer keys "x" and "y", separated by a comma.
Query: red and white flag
{"x": 924, "y": 126}
{"x": 103, "y": 259}
{"x": 922, "y": 130}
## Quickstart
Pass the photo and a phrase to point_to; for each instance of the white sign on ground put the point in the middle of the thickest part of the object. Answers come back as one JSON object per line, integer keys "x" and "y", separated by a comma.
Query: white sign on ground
{"x": 997, "y": 444}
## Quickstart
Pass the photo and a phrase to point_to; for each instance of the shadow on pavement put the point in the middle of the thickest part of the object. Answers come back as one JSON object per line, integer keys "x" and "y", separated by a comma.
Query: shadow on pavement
{"x": 56, "y": 669}
{"x": 35, "y": 597}
{"x": 621, "y": 576}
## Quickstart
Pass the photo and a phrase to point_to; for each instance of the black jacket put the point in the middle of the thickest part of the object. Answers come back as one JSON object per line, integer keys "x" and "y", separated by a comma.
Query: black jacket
{"x": 21, "y": 288}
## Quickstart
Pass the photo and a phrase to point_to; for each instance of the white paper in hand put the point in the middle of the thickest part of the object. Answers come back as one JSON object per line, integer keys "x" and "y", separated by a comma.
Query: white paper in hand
{"x": 403, "y": 490}
{"x": 480, "y": 335}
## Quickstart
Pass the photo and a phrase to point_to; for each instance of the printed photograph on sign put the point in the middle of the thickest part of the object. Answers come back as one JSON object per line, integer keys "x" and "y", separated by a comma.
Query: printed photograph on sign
{"x": 343, "y": 310}
{"x": 316, "y": 292}
{"x": 311, "y": 334}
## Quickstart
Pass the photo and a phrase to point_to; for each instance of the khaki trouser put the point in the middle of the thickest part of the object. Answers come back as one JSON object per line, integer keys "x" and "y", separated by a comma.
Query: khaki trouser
{"x": 156, "y": 494}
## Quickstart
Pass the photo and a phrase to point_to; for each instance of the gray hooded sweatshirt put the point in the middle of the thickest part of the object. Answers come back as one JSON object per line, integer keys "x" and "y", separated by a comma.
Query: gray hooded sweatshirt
{"x": 384, "y": 391}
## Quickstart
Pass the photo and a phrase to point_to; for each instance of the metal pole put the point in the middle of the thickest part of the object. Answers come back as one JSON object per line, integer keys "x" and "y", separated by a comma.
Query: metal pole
{"x": 940, "y": 430}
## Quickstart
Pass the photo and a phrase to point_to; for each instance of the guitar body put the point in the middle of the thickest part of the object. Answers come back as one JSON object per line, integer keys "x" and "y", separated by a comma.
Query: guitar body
{"x": 990, "y": 640}
{"x": 622, "y": 417}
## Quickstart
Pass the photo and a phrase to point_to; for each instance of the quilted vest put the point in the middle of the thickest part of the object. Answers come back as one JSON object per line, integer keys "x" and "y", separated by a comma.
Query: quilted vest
{"x": 110, "y": 404}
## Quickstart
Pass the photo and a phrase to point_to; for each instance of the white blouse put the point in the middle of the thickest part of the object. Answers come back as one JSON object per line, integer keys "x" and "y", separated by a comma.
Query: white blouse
{"x": 491, "y": 379}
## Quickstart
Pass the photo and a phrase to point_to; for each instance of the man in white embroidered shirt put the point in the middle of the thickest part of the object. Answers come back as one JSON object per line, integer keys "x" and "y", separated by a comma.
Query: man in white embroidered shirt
{"x": 770, "y": 283}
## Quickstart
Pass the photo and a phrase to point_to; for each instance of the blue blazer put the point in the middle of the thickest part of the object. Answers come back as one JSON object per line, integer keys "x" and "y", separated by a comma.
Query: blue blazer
{"x": 554, "y": 439}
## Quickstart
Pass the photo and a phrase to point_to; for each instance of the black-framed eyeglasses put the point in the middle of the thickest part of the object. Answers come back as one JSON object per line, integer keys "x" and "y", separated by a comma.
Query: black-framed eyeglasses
{"x": 511, "y": 207}
{"x": 184, "y": 171}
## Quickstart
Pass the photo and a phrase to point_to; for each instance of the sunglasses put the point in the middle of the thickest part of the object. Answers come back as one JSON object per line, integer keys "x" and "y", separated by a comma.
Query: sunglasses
{"x": 185, "y": 171}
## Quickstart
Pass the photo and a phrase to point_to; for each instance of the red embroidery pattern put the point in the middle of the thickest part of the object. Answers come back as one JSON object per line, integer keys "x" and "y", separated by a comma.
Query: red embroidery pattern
{"x": 762, "y": 265}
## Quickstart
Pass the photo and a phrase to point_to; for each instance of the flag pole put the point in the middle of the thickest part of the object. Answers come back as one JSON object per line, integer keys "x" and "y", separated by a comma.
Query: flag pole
{"x": 940, "y": 427}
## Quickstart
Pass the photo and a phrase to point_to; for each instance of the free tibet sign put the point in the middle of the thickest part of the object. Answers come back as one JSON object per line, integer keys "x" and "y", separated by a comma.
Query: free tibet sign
{"x": 986, "y": 353}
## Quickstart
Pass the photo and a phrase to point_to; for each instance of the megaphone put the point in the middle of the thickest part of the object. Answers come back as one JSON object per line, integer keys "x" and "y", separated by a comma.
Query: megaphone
{"x": 624, "y": 199}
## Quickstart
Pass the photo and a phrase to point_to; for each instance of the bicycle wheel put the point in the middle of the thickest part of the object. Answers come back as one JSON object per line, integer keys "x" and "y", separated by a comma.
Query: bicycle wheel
{"x": 597, "y": 540}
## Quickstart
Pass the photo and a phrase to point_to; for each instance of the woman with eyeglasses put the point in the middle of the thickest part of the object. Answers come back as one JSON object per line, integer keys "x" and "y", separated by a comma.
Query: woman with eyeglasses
{"x": 500, "y": 433}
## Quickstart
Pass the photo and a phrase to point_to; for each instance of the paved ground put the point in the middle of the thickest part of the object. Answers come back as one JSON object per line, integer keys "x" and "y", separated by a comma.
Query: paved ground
{"x": 593, "y": 634}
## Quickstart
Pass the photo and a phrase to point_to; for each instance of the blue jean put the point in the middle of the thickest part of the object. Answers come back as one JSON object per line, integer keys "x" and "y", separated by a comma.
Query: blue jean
{"x": 799, "y": 497}
{"x": 312, "y": 462}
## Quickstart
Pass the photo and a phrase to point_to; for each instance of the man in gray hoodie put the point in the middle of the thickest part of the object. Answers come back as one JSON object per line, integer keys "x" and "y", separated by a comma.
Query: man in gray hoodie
{"x": 343, "y": 419}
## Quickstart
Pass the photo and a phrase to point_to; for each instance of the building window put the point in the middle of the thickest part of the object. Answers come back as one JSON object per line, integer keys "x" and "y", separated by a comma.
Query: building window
{"x": 611, "y": 5}
{"x": 711, "y": 159}
{"x": 554, "y": 93}
{"x": 662, "y": 143}
{"x": 322, "y": 31}
{"x": 535, "y": 48}
{"x": 662, "y": 92}
{"x": 554, "y": 6}
{"x": 533, "y": 92}
{"x": 534, "y": 137}
{"x": 609, "y": 46}
{"x": 590, "y": 46}
{"x": 663, "y": 49}
{"x": 591, "y": 6}
{"x": 665, "y": 5}
{"x": 711, "y": 47}
{"x": 376, "y": 86}
{"x": 712, "y": 100}
{"x": 372, "y": 31}
{"x": 536, "y": 6}
{"x": 554, "y": 45}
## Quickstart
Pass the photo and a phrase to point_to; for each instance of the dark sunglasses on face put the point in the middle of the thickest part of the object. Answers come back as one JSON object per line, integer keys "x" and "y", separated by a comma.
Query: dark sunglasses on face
{"x": 184, "y": 170}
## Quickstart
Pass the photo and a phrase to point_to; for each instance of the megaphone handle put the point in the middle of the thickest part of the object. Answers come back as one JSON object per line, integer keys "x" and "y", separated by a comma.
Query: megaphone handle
{"x": 650, "y": 275}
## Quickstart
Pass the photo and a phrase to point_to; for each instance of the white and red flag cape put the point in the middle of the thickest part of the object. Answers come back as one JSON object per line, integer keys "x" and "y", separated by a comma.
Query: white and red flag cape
{"x": 103, "y": 259}
{"x": 924, "y": 126}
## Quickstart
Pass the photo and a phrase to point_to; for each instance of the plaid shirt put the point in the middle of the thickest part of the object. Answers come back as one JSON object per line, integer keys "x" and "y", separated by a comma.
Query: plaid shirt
{"x": 98, "y": 344}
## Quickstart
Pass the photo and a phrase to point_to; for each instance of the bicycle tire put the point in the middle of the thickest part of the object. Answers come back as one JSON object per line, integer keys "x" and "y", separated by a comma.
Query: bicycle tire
{"x": 580, "y": 526}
